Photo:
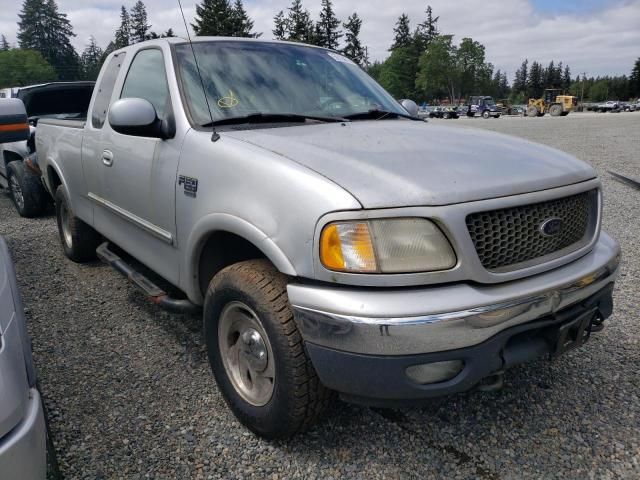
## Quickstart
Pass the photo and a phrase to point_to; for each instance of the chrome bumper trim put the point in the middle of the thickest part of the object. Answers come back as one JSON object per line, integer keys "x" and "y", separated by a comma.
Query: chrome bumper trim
{"x": 446, "y": 330}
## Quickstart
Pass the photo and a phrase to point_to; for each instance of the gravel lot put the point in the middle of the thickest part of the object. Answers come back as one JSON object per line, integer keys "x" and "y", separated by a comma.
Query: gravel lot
{"x": 130, "y": 394}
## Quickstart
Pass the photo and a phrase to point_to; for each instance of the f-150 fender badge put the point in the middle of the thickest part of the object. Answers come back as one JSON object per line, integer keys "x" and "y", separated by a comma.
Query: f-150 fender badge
{"x": 190, "y": 185}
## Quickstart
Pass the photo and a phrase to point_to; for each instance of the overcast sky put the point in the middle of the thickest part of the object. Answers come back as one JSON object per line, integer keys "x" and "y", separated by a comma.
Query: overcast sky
{"x": 594, "y": 36}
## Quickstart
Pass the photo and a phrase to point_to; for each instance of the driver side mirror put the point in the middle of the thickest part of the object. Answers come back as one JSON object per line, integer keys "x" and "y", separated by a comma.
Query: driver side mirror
{"x": 410, "y": 106}
{"x": 138, "y": 117}
{"x": 14, "y": 126}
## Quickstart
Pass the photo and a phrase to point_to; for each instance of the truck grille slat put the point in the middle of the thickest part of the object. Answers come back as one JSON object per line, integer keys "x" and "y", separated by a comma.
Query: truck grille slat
{"x": 511, "y": 238}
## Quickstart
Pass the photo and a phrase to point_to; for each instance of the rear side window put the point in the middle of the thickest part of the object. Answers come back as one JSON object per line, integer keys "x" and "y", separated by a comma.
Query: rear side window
{"x": 147, "y": 79}
{"x": 105, "y": 89}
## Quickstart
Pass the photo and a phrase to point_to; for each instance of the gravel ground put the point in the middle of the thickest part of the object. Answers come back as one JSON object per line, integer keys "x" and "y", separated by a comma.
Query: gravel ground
{"x": 130, "y": 394}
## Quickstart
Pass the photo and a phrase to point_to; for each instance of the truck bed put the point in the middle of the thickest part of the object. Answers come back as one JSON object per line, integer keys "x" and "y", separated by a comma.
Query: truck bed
{"x": 75, "y": 123}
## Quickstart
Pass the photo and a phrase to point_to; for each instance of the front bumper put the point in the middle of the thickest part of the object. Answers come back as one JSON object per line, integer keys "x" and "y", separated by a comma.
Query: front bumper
{"x": 23, "y": 451}
{"x": 369, "y": 326}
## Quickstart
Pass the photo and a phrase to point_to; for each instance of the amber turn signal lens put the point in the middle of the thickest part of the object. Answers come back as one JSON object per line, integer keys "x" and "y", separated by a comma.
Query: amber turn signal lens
{"x": 347, "y": 247}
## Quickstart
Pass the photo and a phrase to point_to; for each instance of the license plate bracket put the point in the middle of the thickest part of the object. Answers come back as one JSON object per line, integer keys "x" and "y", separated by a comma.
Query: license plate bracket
{"x": 573, "y": 334}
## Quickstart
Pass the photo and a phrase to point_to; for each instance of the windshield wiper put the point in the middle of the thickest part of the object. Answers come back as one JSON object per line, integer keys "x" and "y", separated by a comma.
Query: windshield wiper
{"x": 379, "y": 114}
{"x": 260, "y": 117}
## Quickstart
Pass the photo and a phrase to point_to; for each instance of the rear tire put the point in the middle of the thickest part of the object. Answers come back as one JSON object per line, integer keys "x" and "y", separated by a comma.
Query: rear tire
{"x": 555, "y": 110}
{"x": 257, "y": 355}
{"x": 26, "y": 190}
{"x": 79, "y": 240}
{"x": 532, "y": 111}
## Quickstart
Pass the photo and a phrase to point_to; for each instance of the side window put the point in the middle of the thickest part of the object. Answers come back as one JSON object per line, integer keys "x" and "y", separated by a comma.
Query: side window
{"x": 147, "y": 79}
{"x": 105, "y": 89}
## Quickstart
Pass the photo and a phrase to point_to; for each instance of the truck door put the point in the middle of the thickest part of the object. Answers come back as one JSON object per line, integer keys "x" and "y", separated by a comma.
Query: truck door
{"x": 137, "y": 208}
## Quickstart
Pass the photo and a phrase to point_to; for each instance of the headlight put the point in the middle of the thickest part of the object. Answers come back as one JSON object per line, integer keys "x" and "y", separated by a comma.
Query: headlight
{"x": 398, "y": 245}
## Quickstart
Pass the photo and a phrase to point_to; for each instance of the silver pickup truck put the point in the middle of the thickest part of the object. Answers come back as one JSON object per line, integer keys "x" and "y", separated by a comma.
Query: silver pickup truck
{"x": 334, "y": 242}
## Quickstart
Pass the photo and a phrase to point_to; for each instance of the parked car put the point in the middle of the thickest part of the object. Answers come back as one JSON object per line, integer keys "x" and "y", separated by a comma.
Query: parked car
{"x": 444, "y": 112}
{"x": 609, "y": 106}
{"x": 425, "y": 110}
{"x": 22, "y": 425}
{"x": 329, "y": 249}
{"x": 19, "y": 169}
{"x": 482, "y": 106}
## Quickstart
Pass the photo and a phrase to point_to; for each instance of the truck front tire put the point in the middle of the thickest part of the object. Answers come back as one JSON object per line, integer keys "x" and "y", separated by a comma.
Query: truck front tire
{"x": 79, "y": 240}
{"x": 26, "y": 191}
{"x": 257, "y": 354}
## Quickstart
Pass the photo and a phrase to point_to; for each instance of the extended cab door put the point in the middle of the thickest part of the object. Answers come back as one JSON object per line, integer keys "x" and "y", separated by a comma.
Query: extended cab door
{"x": 136, "y": 208}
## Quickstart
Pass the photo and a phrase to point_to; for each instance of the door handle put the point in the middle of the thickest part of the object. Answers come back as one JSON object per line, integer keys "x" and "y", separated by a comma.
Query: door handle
{"x": 107, "y": 158}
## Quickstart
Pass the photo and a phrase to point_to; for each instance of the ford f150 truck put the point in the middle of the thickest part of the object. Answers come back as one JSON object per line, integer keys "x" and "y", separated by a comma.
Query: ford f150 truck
{"x": 334, "y": 243}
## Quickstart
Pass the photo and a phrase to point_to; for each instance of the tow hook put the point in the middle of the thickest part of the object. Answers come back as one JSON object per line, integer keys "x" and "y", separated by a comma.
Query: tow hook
{"x": 492, "y": 383}
{"x": 597, "y": 324}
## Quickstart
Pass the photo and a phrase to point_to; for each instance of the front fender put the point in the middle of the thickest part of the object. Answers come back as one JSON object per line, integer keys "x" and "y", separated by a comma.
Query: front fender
{"x": 217, "y": 222}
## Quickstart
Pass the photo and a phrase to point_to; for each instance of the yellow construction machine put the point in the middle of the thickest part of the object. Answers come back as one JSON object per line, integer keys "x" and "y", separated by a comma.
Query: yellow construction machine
{"x": 554, "y": 102}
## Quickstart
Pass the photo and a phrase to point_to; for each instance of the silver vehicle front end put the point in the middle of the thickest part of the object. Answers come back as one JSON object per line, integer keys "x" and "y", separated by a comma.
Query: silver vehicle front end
{"x": 427, "y": 334}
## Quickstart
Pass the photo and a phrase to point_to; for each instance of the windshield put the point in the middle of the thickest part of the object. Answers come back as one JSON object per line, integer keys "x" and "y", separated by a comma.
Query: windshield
{"x": 243, "y": 78}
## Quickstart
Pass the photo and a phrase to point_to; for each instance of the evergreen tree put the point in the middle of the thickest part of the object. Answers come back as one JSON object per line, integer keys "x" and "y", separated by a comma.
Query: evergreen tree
{"x": 521, "y": 79}
{"x": 43, "y": 28}
{"x": 634, "y": 80}
{"x": 402, "y": 32}
{"x": 299, "y": 23}
{"x": 139, "y": 26}
{"x": 427, "y": 30}
{"x": 535, "y": 85}
{"x": 4, "y": 45}
{"x": 398, "y": 73}
{"x": 566, "y": 78}
{"x": 242, "y": 23}
{"x": 547, "y": 76}
{"x": 123, "y": 33}
{"x": 353, "y": 48}
{"x": 91, "y": 60}
{"x": 214, "y": 17}
{"x": 328, "y": 28}
{"x": 280, "y": 27}
{"x": 168, "y": 34}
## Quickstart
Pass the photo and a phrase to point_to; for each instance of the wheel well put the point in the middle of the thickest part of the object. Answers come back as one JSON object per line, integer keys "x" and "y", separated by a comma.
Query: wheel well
{"x": 10, "y": 157}
{"x": 54, "y": 179}
{"x": 220, "y": 250}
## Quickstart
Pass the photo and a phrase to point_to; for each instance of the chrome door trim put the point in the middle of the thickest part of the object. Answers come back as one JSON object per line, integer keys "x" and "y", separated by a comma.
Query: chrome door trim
{"x": 154, "y": 230}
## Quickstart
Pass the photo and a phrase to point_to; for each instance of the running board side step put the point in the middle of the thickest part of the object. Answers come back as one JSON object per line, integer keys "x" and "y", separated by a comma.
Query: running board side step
{"x": 157, "y": 296}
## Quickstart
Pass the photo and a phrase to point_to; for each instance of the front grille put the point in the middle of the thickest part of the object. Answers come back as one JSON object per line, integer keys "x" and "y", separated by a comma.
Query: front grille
{"x": 511, "y": 238}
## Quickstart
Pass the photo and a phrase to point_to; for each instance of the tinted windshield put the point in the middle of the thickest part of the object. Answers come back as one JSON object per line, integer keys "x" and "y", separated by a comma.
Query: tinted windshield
{"x": 242, "y": 78}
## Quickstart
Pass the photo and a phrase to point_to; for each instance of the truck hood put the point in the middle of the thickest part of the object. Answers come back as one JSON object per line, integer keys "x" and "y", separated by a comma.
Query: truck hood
{"x": 397, "y": 163}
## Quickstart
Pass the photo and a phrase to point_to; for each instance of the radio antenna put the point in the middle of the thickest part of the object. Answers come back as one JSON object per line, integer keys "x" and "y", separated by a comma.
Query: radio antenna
{"x": 214, "y": 136}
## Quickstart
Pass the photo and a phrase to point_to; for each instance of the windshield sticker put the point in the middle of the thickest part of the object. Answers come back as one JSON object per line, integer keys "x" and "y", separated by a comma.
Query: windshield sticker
{"x": 229, "y": 101}
{"x": 340, "y": 58}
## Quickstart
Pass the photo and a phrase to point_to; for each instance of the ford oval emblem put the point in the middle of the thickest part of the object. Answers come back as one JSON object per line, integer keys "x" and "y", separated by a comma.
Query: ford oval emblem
{"x": 551, "y": 227}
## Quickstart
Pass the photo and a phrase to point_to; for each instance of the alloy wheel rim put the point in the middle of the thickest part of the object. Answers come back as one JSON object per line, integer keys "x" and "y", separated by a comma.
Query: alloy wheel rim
{"x": 246, "y": 353}
{"x": 16, "y": 192}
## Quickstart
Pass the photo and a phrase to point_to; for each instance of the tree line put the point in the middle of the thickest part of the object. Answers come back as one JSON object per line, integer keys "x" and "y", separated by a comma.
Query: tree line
{"x": 423, "y": 63}
{"x": 296, "y": 25}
